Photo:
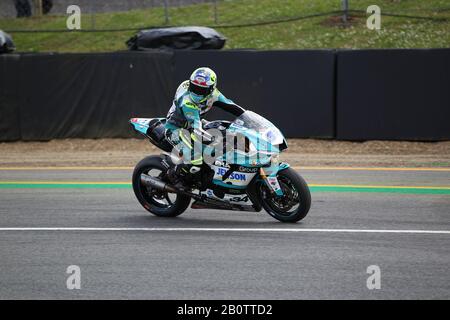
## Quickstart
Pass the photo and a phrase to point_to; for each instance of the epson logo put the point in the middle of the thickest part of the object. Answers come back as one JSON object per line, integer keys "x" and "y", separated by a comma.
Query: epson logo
{"x": 233, "y": 176}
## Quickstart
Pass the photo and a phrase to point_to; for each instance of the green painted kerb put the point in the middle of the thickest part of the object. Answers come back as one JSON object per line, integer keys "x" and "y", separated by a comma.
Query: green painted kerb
{"x": 380, "y": 190}
{"x": 64, "y": 186}
{"x": 126, "y": 185}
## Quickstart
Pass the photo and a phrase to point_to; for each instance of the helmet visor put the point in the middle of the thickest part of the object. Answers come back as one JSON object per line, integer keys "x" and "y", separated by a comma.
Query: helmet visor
{"x": 199, "y": 90}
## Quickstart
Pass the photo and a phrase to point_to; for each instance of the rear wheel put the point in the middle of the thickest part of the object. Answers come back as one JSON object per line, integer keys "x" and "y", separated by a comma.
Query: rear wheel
{"x": 295, "y": 202}
{"x": 160, "y": 203}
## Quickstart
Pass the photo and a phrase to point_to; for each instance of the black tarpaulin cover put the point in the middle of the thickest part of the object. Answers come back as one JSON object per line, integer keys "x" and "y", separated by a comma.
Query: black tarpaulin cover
{"x": 6, "y": 43}
{"x": 58, "y": 96}
{"x": 187, "y": 38}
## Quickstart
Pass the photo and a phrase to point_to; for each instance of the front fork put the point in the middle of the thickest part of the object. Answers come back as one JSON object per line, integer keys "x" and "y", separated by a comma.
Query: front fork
{"x": 270, "y": 177}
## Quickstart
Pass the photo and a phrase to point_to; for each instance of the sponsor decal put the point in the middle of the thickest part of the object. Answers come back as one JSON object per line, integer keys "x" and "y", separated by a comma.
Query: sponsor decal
{"x": 221, "y": 164}
{"x": 246, "y": 169}
{"x": 140, "y": 121}
{"x": 234, "y": 176}
{"x": 273, "y": 181}
{"x": 238, "y": 199}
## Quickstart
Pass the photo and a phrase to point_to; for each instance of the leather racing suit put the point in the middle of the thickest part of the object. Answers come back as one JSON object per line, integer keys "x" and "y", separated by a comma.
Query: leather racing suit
{"x": 186, "y": 114}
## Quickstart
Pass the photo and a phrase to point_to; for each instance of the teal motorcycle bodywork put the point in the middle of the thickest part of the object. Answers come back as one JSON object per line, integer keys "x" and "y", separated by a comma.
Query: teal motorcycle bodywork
{"x": 261, "y": 161}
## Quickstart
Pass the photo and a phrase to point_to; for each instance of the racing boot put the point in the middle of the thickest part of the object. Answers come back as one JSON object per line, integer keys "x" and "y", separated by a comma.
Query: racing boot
{"x": 182, "y": 174}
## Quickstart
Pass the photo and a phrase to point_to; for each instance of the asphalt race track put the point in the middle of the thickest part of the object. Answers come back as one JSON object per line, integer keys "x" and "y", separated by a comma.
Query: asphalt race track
{"x": 51, "y": 219}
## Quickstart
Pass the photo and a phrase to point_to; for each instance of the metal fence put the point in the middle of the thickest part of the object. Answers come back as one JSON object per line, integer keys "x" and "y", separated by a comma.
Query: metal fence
{"x": 93, "y": 12}
{"x": 14, "y": 8}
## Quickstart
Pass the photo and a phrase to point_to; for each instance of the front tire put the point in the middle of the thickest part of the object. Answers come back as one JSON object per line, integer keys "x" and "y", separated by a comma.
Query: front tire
{"x": 159, "y": 203}
{"x": 295, "y": 203}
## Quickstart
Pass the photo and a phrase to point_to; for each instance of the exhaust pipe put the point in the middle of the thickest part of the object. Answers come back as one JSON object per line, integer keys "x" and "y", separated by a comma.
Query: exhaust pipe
{"x": 200, "y": 203}
{"x": 157, "y": 184}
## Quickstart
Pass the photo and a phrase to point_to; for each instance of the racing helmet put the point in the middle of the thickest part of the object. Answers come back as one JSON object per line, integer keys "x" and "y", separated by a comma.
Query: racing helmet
{"x": 202, "y": 83}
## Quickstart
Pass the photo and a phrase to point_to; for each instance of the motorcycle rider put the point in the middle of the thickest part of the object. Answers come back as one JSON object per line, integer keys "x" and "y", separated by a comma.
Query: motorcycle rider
{"x": 193, "y": 99}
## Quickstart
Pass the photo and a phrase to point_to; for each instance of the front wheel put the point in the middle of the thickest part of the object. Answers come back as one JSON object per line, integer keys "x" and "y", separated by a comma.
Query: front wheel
{"x": 295, "y": 202}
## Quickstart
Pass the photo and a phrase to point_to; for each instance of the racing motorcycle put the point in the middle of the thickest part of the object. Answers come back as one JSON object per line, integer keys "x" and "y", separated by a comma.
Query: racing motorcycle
{"x": 247, "y": 177}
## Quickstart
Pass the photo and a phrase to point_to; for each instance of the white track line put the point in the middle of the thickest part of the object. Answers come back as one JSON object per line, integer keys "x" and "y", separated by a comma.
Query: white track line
{"x": 232, "y": 230}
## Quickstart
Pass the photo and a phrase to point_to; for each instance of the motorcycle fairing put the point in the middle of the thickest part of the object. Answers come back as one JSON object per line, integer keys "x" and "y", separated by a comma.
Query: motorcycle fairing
{"x": 153, "y": 129}
{"x": 140, "y": 124}
{"x": 259, "y": 157}
{"x": 242, "y": 199}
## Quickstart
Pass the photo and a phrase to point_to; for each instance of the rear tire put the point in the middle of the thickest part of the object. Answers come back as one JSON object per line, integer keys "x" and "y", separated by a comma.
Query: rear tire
{"x": 287, "y": 177}
{"x": 149, "y": 198}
